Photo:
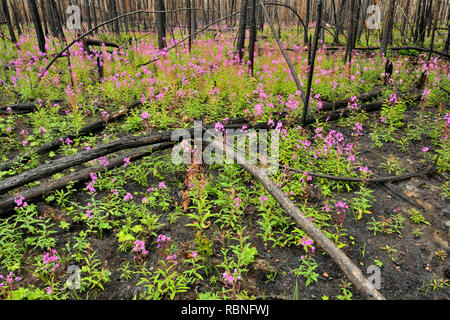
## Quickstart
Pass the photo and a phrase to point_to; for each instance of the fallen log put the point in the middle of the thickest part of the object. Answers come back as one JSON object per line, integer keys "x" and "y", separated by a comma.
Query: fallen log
{"x": 61, "y": 164}
{"x": 346, "y": 265}
{"x": 78, "y": 176}
{"x": 26, "y": 107}
{"x": 339, "y": 104}
{"x": 420, "y": 49}
{"x": 93, "y": 42}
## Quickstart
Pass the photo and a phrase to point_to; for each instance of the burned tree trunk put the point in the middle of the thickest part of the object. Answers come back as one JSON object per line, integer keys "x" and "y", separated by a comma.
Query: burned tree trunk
{"x": 242, "y": 28}
{"x": 252, "y": 37}
{"x": 189, "y": 23}
{"x": 387, "y": 34}
{"x": 161, "y": 23}
{"x": 8, "y": 21}
{"x": 308, "y": 9}
{"x": 37, "y": 25}
{"x": 312, "y": 60}
{"x": 351, "y": 33}
{"x": 113, "y": 8}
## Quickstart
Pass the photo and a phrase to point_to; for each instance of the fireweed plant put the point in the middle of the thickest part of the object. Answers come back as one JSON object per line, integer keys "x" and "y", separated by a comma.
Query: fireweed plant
{"x": 133, "y": 207}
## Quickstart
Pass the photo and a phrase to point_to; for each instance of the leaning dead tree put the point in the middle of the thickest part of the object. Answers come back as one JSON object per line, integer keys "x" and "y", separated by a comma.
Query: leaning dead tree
{"x": 353, "y": 273}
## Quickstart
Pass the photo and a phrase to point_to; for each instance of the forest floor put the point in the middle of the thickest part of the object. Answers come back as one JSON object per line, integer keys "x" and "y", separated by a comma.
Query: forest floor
{"x": 154, "y": 229}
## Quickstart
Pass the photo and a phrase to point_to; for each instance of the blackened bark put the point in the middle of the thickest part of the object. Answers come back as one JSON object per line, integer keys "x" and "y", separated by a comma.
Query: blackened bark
{"x": 308, "y": 9}
{"x": 8, "y": 21}
{"x": 161, "y": 23}
{"x": 189, "y": 23}
{"x": 37, "y": 25}
{"x": 242, "y": 28}
{"x": 387, "y": 34}
{"x": 312, "y": 60}
{"x": 113, "y": 8}
{"x": 252, "y": 36}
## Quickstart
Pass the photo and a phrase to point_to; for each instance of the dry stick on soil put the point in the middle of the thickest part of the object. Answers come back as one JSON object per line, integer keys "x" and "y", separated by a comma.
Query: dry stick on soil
{"x": 78, "y": 176}
{"x": 346, "y": 265}
{"x": 395, "y": 191}
{"x": 86, "y": 130}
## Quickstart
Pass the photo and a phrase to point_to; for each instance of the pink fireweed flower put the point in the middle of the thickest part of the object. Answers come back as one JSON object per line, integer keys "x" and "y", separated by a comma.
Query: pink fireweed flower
{"x": 393, "y": 99}
{"x": 50, "y": 260}
{"x": 42, "y": 130}
{"x": 128, "y": 197}
{"x": 114, "y": 191}
{"x": 88, "y": 213}
{"x": 219, "y": 128}
{"x": 307, "y": 242}
{"x": 93, "y": 177}
{"x": 162, "y": 185}
{"x": 357, "y": 129}
{"x": 19, "y": 201}
{"x": 48, "y": 290}
{"x": 341, "y": 207}
{"x": 365, "y": 170}
{"x": 139, "y": 248}
{"x": 237, "y": 202}
{"x": 231, "y": 278}
{"x": 145, "y": 115}
{"x": 103, "y": 161}
{"x": 263, "y": 199}
{"x": 258, "y": 110}
{"x": 425, "y": 149}
{"x": 353, "y": 103}
{"x": 126, "y": 161}
{"x": 161, "y": 239}
{"x": 90, "y": 188}
{"x": 425, "y": 94}
{"x": 172, "y": 258}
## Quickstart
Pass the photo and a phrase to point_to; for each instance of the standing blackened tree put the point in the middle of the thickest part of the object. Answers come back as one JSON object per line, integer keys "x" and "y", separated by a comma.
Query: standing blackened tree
{"x": 37, "y": 25}
{"x": 113, "y": 8}
{"x": 161, "y": 23}
{"x": 311, "y": 60}
{"x": 387, "y": 34}
{"x": 351, "y": 32}
{"x": 189, "y": 23}
{"x": 252, "y": 37}
{"x": 242, "y": 28}
{"x": 8, "y": 20}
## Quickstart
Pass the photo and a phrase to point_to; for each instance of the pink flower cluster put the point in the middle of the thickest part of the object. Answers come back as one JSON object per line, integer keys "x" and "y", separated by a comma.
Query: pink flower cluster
{"x": 50, "y": 260}
{"x": 19, "y": 202}
{"x": 231, "y": 278}
{"x": 139, "y": 249}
